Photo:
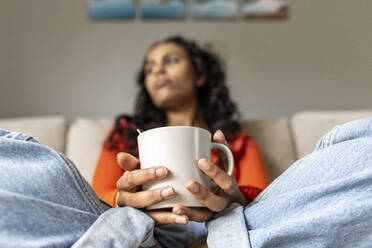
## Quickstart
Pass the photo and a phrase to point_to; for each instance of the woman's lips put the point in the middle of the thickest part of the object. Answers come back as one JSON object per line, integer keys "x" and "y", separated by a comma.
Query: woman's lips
{"x": 161, "y": 82}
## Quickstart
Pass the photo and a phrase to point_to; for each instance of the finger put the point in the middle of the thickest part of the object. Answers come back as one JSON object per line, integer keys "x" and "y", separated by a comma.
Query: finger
{"x": 195, "y": 214}
{"x": 219, "y": 137}
{"x": 227, "y": 183}
{"x": 220, "y": 177}
{"x": 127, "y": 161}
{"x": 162, "y": 218}
{"x": 131, "y": 179}
{"x": 144, "y": 198}
{"x": 213, "y": 202}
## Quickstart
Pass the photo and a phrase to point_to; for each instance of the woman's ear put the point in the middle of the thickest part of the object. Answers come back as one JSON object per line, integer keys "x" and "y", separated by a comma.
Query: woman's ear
{"x": 200, "y": 81}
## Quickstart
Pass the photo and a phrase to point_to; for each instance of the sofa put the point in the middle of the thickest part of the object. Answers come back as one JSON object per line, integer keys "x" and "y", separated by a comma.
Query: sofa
{"x": 282, "y": 140}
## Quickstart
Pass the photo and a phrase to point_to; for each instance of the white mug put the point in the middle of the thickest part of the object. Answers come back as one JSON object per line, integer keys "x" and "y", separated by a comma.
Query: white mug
{"x": 179, "y": 148}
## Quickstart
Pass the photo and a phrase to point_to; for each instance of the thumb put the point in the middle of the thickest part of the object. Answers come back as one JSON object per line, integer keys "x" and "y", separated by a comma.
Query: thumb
{"x": 127, "y": 161}
{"x": 219, "y": 137}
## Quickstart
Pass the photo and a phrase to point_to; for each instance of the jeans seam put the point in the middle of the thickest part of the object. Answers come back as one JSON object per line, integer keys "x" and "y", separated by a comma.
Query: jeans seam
{"x": 330, "y": 137}
{"x": 15, "y": 135}
{"x": 327, "y": 139}
{"x": 94, "y": 204}
{"x": 79, "y": 180}
{"x": 333, "y": 135}
{"x": 246, "y": 224}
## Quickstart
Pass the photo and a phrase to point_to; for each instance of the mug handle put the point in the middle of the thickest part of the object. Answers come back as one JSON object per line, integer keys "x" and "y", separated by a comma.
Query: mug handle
{"x": 229, "y": 155}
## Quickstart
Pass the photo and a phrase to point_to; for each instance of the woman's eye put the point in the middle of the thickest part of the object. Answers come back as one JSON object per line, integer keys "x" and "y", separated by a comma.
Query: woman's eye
{"x": 149, "y": 70}
{"x": 167, "y": 61}
{"x": 171, "y": 61}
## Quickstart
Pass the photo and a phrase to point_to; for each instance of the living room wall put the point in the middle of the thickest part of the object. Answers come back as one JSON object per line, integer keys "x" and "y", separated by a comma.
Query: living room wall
{"x": 53, "y": 60}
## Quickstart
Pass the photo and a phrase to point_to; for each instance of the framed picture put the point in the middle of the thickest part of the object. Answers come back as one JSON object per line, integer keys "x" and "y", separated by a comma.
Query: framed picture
{"x": 264, "y": 9}
{"x": 111, "y": 9}
{"x": 163, "y": 9}
{"x": 214, "y": 9}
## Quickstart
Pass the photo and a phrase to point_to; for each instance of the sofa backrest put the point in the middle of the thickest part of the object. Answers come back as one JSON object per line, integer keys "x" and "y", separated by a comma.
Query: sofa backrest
{"x": 308, "y": 127}
{"x": 85, "y": 138}
{"x": 84, "y": 143}
{"x": 282, "y": 141}
{"x": 273, "y": 136}
{"x": 48, "y": 130}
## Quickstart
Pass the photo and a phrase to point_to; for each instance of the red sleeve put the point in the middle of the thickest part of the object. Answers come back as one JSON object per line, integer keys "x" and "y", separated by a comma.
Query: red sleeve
{"x": 106, "y": 174}
{"x": 249, "y": 168}
{"x": 108, "y": 171}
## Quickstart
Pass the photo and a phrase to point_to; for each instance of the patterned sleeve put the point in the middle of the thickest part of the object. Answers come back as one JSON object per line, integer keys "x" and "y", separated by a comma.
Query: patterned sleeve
{"x": 106, "y": 174}
{"x": 249, "y": 168}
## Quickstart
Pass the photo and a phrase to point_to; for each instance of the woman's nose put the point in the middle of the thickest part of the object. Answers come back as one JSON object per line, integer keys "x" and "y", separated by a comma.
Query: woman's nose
{"x": 159, "y": 68}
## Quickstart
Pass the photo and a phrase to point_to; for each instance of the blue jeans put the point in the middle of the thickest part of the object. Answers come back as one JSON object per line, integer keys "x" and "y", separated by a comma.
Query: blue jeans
{"x": 322, "y": 200}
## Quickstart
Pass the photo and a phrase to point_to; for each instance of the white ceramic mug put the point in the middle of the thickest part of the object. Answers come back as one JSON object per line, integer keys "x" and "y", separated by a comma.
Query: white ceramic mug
{"x": 179, "y": 149}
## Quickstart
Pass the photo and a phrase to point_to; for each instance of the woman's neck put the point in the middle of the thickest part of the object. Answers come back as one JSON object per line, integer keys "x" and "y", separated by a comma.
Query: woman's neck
{"x": 187, "y": 115}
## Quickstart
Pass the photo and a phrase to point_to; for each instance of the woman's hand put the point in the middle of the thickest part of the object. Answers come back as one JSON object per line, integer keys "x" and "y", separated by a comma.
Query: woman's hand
{"x": 130, "y": 194}
{"x": 215, "y": 200}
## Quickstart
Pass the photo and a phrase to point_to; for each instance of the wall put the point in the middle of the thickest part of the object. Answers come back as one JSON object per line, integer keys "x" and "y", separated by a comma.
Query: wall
{"x": 53, "y": 60}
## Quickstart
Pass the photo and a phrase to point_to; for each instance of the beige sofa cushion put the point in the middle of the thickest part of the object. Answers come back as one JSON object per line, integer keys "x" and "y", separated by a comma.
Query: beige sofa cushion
{"x": 48, "y": 130}
{"x": 274, "y": 139}
{"x": 309, "y": 127}
{"x": 84, "y": 142}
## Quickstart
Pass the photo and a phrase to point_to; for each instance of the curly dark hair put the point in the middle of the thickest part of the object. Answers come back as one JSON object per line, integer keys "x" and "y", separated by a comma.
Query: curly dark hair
{"x": 215, "y": 106}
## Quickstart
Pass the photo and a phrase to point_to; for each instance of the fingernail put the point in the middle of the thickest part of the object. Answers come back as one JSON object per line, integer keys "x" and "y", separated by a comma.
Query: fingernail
{"x": 204, "y": 163}
{"x": 180, "y": 220}
{"x": 221, "y": 133}
{"x": 118, "y": 155}
{"x": 194, "y": 188}
{"x": 167, "y": 193}
{"x": 160, "y": 172}
{"x": 179, "y": 210}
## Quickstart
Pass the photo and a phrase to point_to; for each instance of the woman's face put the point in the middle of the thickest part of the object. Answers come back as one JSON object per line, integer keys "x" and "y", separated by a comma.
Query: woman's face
{"x": 170, "y": 78}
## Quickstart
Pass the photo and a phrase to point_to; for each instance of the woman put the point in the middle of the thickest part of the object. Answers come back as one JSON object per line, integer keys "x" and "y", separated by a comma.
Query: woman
{"x": 180, "y": 85}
